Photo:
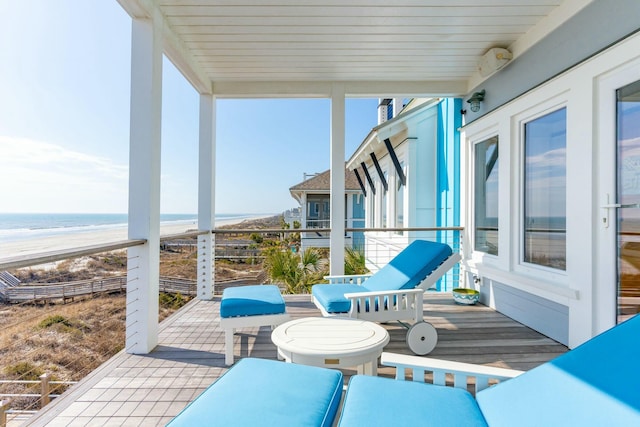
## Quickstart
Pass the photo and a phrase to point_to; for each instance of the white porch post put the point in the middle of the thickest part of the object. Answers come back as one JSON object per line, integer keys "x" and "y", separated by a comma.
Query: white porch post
{"x": 206, "y": 196}
{"x": 143, "y": 263}
{"x": 337, "y": 180}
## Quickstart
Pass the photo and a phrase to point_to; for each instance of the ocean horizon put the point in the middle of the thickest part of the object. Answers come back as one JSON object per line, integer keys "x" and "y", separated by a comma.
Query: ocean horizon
{"x": 15, "y": 227}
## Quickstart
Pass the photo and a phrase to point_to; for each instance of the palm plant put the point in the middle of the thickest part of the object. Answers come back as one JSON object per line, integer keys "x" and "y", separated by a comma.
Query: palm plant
{"x": 296, "y": 272}
{"x": 354, "y": 262}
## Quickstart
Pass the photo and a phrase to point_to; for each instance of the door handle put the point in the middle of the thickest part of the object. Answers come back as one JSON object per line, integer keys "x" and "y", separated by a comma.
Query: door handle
{"x": 620, "y": 205}
{"x": 607, "y": 206}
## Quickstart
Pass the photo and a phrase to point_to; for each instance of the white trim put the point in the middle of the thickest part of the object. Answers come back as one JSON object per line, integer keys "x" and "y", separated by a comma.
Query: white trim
{"x": 551, "y": 291}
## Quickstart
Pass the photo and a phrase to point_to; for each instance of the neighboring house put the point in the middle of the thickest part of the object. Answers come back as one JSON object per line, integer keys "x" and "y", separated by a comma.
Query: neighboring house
{"x": 314, "y": 196}
{"x": 409, "y": 167}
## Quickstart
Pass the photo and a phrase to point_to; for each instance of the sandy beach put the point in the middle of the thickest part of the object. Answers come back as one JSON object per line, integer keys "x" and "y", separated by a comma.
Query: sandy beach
{"x": 89, "y": 238}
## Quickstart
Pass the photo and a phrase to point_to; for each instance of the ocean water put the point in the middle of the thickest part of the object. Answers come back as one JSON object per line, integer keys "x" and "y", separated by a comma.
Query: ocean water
{"x": 26, "y": 226}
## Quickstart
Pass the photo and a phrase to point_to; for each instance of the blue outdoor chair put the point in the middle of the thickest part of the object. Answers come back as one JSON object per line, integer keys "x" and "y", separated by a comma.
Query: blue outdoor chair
{"x": 394, "y": 293}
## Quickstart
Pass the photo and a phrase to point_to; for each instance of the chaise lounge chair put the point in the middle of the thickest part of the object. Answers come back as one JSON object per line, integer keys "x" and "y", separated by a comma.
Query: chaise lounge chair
{"x": 595, "y": 384}
{"x": 394, "y": 293}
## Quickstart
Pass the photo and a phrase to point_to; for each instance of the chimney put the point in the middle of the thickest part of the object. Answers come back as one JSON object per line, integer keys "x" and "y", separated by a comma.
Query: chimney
{"x": 385, "y": 110}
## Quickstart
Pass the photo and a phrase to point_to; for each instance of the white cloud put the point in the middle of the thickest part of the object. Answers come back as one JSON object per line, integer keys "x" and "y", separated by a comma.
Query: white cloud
{"x": 38, "y": 176}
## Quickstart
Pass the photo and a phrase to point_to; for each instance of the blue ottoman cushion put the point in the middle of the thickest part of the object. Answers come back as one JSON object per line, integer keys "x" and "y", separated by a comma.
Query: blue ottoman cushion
{"x": 259, "y": 392}
{"x": 386, "y": 402}
{"x": 251, "y": 301}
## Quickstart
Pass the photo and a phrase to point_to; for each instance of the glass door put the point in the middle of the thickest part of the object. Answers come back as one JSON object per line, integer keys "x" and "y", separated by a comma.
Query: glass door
{"x": 628, "y": 200}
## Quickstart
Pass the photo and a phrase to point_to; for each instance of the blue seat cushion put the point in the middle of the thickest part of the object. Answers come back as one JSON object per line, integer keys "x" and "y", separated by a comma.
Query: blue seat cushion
{"x": 260, "y": 392}
{"x": 377, "y": 401}
{"x": 332, "y": 296}
{"x": 410, "y": 267}
{"x": 595, "y": 384}
{"x": 251, "y": 301}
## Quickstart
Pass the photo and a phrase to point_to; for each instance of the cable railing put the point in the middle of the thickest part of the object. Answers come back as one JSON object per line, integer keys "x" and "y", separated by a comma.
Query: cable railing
{"x": 240, "y": 256}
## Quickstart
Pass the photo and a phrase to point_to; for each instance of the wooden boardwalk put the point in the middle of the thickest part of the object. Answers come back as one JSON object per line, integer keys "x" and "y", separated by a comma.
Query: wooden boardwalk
{"x": 152, "y": 389}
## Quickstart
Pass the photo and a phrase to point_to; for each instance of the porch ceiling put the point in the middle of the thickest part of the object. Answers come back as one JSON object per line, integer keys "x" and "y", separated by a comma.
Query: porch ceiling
{"x": 373, "y": 47}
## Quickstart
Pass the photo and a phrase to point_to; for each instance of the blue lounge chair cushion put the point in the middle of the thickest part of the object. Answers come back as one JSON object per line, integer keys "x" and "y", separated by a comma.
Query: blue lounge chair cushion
{"x": 596, "y": 384}
{"x": 405, "y": 271}
{"x": 251, "y": 301}
{"x": 410, "y": 267}
{"x": 386, "y": 402}
{"x": 332, "y": 296}
{"x": 260, "y": 392}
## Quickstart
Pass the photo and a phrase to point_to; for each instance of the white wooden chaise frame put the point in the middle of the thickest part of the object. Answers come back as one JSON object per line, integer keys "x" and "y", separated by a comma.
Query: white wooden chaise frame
{"x": 422, "y": 337}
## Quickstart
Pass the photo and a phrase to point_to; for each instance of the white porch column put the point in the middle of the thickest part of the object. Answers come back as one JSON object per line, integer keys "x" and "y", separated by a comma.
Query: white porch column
{"x": 206, "y": 196}
{"x": 143, "y": 263}
{"x": 337, "y": 180}
{"x": 303, "y": 211}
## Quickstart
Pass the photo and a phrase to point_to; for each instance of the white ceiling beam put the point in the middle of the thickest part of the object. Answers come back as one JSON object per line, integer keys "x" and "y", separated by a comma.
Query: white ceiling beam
{"x": 353, "y": 89}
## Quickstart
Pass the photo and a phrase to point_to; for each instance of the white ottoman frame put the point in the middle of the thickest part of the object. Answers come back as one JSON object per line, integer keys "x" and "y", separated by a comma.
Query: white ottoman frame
{"x": 230, "y": 324}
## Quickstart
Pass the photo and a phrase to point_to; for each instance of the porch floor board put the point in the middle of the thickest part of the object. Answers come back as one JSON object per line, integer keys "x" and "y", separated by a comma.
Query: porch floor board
{"x": 152, "y": 389}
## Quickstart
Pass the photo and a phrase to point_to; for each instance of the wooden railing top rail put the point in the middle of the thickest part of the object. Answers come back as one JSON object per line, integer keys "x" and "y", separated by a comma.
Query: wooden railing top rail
{"x": 63, "y": 254}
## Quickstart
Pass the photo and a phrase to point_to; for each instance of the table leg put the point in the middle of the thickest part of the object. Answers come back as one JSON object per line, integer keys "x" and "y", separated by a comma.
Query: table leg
{"x": 370, "y": 368}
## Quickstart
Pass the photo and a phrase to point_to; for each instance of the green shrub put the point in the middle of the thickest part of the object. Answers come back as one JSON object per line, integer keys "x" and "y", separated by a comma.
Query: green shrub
{"x": 173, "y": 301}
{"x": 24, "y": 371}
{"x": 257, "y": 238}
{"x": 54, "y": 320}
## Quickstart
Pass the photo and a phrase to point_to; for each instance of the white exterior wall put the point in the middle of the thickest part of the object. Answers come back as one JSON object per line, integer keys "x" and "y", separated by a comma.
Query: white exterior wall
{"x": 587, "y": 287}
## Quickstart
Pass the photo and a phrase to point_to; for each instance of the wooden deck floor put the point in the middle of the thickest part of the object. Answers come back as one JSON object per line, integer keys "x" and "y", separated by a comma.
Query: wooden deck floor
{"x": 151, "y": 389}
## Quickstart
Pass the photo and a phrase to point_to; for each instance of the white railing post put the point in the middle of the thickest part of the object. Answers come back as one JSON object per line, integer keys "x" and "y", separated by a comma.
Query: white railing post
{"x": 206, "y": 197}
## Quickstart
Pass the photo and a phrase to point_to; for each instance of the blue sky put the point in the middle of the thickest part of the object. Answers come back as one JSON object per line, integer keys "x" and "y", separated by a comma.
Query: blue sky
{"x": 64, "y": 122}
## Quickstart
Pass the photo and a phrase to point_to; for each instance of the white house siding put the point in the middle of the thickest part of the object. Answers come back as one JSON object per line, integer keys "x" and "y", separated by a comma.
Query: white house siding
{"x": 537, "y": 295}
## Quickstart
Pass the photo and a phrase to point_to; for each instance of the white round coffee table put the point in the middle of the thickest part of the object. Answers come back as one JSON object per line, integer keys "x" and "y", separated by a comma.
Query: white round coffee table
{"x": 331, "y": 342}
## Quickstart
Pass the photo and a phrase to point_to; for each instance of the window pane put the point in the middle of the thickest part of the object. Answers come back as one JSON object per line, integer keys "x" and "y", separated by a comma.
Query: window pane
{"x": 486, "y": 196}
{"x": 545, "y": 190}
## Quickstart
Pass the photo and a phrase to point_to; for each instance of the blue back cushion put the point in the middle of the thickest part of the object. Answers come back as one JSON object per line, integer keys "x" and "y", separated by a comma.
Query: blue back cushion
{"x": 596, "y": 384}
{"x": 259, "y": 392}
{"x": 407, "y": 269}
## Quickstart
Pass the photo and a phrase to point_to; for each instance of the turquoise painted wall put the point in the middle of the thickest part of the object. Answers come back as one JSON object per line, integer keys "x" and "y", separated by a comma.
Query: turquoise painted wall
{"x": 448, "y": 185}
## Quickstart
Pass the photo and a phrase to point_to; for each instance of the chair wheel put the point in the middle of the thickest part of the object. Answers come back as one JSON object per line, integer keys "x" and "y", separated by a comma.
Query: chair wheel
{"x": 422, "y": 338}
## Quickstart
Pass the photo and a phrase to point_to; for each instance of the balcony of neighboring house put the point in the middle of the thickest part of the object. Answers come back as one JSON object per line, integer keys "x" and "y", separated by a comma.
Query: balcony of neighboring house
{"x": 314, "y": 196}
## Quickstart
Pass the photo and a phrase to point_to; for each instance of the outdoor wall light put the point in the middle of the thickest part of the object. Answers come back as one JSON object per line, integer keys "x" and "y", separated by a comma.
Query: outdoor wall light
{"x": 475, "y": 100}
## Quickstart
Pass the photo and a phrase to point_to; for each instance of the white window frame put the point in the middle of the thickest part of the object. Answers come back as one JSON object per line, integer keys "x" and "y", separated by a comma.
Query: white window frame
{"x": 479, "y": 138}
{"x": 517, "y": 244}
